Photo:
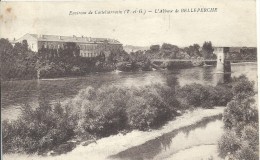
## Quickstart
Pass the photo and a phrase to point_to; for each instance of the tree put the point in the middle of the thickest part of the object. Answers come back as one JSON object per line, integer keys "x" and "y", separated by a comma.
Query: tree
{"x": 6, "y": 58}
{"x": 20, "y": 48}
{"x": 207, "y": 50}
{"x": 155, "y": 48}
{"x": 193, "y": 50}
{"x": 169, "y": 50}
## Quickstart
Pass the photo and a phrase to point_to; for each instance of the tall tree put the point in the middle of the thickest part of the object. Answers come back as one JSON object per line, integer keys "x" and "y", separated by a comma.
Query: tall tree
{"x": 207, "y": 50}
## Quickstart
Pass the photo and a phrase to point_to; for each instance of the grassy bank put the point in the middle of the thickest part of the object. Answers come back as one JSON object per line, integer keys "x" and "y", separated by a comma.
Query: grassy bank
{"x": 108, "y": 110}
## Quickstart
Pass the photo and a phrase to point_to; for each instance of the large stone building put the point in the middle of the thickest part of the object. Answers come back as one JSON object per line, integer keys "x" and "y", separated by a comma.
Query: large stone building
{"x": 89, "y": 47}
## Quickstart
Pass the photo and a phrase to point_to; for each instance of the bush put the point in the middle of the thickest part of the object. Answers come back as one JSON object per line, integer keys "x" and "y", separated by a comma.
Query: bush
{"x": 242, "y": 88}
{"x": 228, "y": 144}
{"x": 151, "y": 107}
{"x": 240, "y": 112}
{"x": 110, "y": 109}
{"x": 140, "y": 115}
{"x": 221, "y": 95}
{"x": 241, "y": 122}
{"x": 247, "y": 153}
{"x": 250, "y": 136}
{"x": 197, "y": 95}
{"x": 38, "y": 130}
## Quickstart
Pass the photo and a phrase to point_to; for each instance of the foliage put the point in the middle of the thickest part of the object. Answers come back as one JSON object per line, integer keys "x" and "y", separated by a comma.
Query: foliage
{"x": 242, "y": 87}
{"x": 38, "y": 130}
{"x": 241, "y": 119}
{"x": 228, "y": 143}
{"x": 110, "y": 109}
{"x": 198, "y": 95}
{"x": 155, "y": 48}
{"x": 17, "y": 62}
{"x": 244, "y": 54}
{"x": 221, "y": 95}
{"x": 207, "y": 50}
{"x": 193, "y": 50}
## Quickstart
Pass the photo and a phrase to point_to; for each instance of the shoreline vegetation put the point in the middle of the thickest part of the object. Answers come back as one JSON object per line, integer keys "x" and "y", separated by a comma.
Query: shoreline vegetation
{"x": 104, "y": 147}
{"x": 109, "y": 110}
{"x": 241, "y": 124}
{"x": 20, "y": 63}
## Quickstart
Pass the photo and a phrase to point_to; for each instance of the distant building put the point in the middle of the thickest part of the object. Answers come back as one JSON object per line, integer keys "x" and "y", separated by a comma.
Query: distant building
{"x": 89, "y": 47}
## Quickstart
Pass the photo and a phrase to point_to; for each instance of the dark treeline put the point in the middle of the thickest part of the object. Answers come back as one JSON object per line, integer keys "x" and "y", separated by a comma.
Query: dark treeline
{"x": 245, "y": 53}
{"x": 169, "y": 51}
{"x": 18, "y": 62}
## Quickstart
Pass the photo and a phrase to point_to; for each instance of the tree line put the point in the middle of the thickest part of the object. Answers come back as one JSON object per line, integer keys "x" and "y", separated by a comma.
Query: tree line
{"x": 19, "y": 62}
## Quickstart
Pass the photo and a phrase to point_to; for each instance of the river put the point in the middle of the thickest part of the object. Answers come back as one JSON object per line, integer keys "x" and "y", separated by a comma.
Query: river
{"x": 15, "y": 94}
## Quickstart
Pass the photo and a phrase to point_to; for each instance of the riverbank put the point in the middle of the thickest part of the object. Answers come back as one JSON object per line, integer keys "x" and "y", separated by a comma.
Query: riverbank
{"x": 105, "y": 147}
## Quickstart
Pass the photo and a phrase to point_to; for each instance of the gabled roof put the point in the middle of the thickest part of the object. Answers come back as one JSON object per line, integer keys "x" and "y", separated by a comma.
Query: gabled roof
{"x": 56, "y": 38}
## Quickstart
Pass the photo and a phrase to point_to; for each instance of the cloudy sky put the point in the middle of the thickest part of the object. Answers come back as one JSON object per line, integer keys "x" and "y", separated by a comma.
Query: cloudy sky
{"x": 234, "y": 23}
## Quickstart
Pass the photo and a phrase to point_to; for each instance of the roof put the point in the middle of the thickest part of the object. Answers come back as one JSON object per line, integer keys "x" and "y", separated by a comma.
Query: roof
{"x": 82, "y": 39}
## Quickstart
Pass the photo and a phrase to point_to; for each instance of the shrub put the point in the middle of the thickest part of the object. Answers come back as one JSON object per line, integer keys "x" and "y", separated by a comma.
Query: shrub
{"x": 151, "y": 107}
{"x": 228, "y": 144}
{"x": 240, "y": 111}
{"x": 197, "y": 95}
{"x": 140, "y": 115}
{"x": 221, "y": 95}
{"x": 250, "y": 136}
{"x": 247, "y": 153}
{"x": 241, "y": 122}
{"x": 38, "y": 130}
{"x": 242, "y": 88}
{"x": 109, "y": 109}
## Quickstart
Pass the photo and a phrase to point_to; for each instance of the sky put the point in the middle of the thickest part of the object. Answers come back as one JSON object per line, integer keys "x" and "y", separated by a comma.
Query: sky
{"x": 234, "y": 23}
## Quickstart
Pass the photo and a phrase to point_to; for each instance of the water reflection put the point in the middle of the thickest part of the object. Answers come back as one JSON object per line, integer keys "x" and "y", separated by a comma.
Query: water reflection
{"x": 221, "y": 78}
{"x": 161, "y": 146}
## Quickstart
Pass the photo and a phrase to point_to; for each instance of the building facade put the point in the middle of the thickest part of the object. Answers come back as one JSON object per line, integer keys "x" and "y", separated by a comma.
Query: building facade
{"x": 89, "y": 47}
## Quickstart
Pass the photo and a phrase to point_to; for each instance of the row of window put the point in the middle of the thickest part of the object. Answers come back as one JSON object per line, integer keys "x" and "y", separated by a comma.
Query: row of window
{"x": 85, "y": 54}
{"x": 82, "y": 47}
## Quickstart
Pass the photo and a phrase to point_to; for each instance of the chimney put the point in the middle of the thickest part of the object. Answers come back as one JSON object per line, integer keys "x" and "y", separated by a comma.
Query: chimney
{"x": 59, "y": 37}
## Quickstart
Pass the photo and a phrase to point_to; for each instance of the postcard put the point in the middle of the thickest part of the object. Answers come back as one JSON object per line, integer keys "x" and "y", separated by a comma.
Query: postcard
{"x": 129, "y": 80}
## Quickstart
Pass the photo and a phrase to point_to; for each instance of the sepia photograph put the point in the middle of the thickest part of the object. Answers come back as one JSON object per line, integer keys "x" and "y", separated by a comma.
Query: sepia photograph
{"x": 129, "y": 80}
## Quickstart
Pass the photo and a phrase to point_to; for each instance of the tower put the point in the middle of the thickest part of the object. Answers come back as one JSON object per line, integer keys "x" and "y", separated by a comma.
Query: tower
{"x": 223, "y": 66}
{"x": 223, "y": 69}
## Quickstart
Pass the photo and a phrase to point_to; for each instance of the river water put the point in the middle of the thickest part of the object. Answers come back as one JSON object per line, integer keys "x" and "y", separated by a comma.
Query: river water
{"x": 169, "y": 145}
{"x": 15, "y": 94}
